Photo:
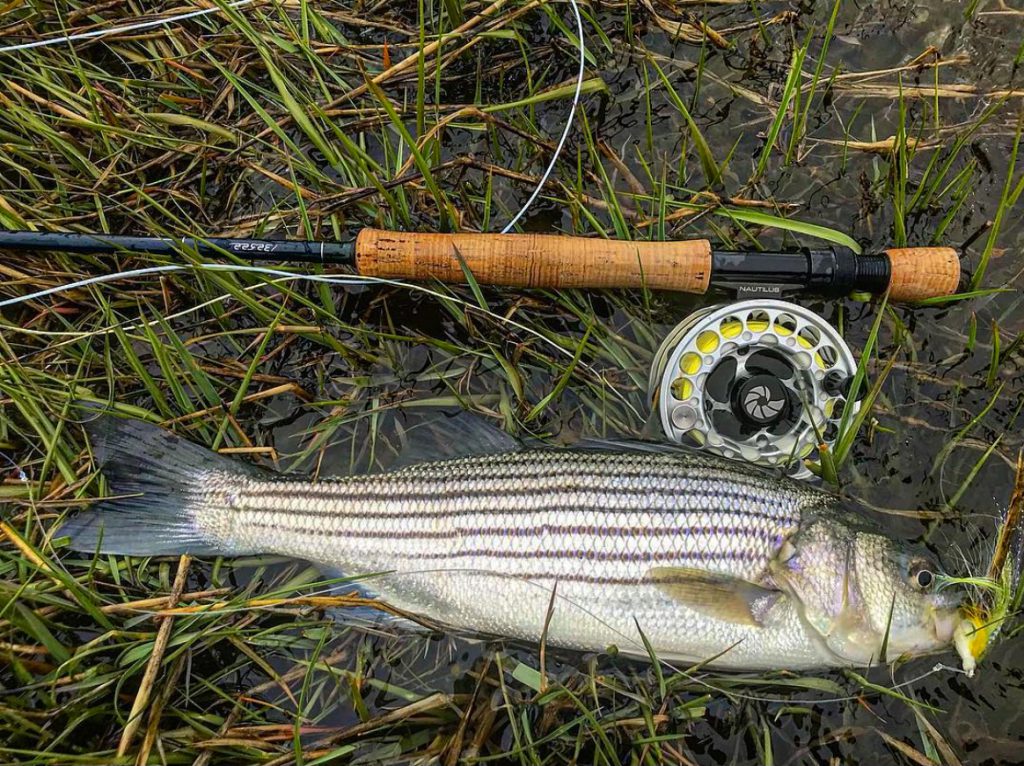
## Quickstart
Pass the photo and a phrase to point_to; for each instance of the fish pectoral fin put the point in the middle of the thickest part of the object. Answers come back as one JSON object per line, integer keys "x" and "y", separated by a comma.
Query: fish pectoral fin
{"x": 726, "y": 598}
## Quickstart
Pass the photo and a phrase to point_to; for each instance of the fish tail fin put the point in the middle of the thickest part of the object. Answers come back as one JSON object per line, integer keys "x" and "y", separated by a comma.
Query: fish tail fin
{"x": 155, "y": 483}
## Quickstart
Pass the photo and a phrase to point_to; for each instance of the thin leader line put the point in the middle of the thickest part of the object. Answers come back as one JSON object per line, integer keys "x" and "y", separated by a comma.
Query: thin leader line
{"x": 133, "y": 27}
{"x": 280, "y": 275}
{"x": 141, "y": 25}
{"x": 568, "y": 123}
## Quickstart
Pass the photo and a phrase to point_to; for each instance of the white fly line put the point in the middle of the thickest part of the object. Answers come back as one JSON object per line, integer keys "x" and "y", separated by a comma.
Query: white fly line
{"x": 279, "y": 275}
{"x": 180, "y": 17}
{"x": 568, "y": 123}
{"x": 135, "y": 26}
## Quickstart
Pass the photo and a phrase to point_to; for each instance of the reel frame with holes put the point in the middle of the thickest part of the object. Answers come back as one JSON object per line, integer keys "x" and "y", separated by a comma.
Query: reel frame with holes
{"x": 764, "y": 381}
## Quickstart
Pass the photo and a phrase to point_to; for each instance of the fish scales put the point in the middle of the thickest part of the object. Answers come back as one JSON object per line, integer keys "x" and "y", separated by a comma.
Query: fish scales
{"x": 511, "y": 511}
{"x": 619, "y": 546}
{"x": 466, "y": 538}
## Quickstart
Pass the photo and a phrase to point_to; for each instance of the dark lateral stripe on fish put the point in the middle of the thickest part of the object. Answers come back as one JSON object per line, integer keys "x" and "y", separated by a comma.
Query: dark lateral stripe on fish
{"x": 518, "y": 532}
{"x": 587, "y": 555}
{"x": 536, "y": 468}
{"x": 540, "y": 468}
{"x": 510, "y": 486}
{"x": 681, "y": 458}
{"x": 640, "y": 580}
{"x": 448, "y": 472}
{"x": 509, "y": 494}
{"x": 355, "y": 515}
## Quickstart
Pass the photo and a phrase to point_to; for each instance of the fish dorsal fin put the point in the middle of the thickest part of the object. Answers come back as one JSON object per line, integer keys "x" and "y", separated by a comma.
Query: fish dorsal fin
{"x": 726, "y": 598}
{"x": 445, "y": 437}
{"x": 625, "y": 444}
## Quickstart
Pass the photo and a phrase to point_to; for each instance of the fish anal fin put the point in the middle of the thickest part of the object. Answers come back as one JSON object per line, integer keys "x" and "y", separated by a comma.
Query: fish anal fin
{"x": 725, "y": 598}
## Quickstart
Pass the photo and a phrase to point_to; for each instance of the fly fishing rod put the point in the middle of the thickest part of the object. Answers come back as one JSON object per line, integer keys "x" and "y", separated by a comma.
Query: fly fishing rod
{"x": 557, "y": 261}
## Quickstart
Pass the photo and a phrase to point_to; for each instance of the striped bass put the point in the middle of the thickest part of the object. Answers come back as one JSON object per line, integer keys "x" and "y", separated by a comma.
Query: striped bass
{"x": 585, "y": 548}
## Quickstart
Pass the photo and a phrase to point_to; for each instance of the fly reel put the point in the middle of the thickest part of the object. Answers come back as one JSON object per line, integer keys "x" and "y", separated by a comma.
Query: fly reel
{"x": 763, "y": 381}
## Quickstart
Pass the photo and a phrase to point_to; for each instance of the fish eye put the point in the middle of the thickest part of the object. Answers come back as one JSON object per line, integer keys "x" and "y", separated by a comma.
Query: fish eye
{"x": 922, "y": 575}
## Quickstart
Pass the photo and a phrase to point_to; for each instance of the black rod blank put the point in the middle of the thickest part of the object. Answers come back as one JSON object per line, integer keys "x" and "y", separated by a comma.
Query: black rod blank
{"x": 334, "y": 253}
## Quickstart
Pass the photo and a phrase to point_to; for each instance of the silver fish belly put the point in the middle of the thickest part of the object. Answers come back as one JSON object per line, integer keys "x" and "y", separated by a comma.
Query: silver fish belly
{"x": 481, "y": 543}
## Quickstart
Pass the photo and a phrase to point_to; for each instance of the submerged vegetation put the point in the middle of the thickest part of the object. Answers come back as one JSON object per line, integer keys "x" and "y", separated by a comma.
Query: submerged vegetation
{"x": 754, "y": 124}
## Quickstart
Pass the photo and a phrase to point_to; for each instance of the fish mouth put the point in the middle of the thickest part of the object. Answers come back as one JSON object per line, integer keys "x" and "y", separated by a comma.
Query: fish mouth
{"x": 946, "y": 611}
{"x": 944, "y": 622}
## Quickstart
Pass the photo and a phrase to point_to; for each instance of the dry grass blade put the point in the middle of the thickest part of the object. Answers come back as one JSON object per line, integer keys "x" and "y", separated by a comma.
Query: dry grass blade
{"x": 156, "y": 658}
{"x": 1010, "y": 527}
{"x": 426, "y": 705}
{"x": 912, "y": 754}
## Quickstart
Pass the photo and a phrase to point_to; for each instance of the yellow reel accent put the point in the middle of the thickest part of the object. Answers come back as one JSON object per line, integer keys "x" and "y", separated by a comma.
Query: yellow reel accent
{"x": 682, "y": 388}
{"x": 731, "y": 329}
{"x": 707, "y": 341}
{"x": 689, "y": 363}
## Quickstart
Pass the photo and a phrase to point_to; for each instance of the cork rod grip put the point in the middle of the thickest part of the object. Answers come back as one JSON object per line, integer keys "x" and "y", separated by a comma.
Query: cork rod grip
{"x": 535, "y": 260}
{"x": 917, "y": 273}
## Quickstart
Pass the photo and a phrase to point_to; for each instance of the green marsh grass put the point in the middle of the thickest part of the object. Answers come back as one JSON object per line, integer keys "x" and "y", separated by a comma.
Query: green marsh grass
{"x": 758, "y": 129}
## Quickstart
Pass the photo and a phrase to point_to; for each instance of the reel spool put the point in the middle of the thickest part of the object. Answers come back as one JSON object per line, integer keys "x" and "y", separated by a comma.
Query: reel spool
{"x": 763, "y": 381}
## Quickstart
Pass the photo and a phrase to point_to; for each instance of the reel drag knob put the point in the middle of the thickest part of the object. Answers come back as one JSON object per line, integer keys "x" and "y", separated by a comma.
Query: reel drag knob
{"x": 761, "y": 401}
